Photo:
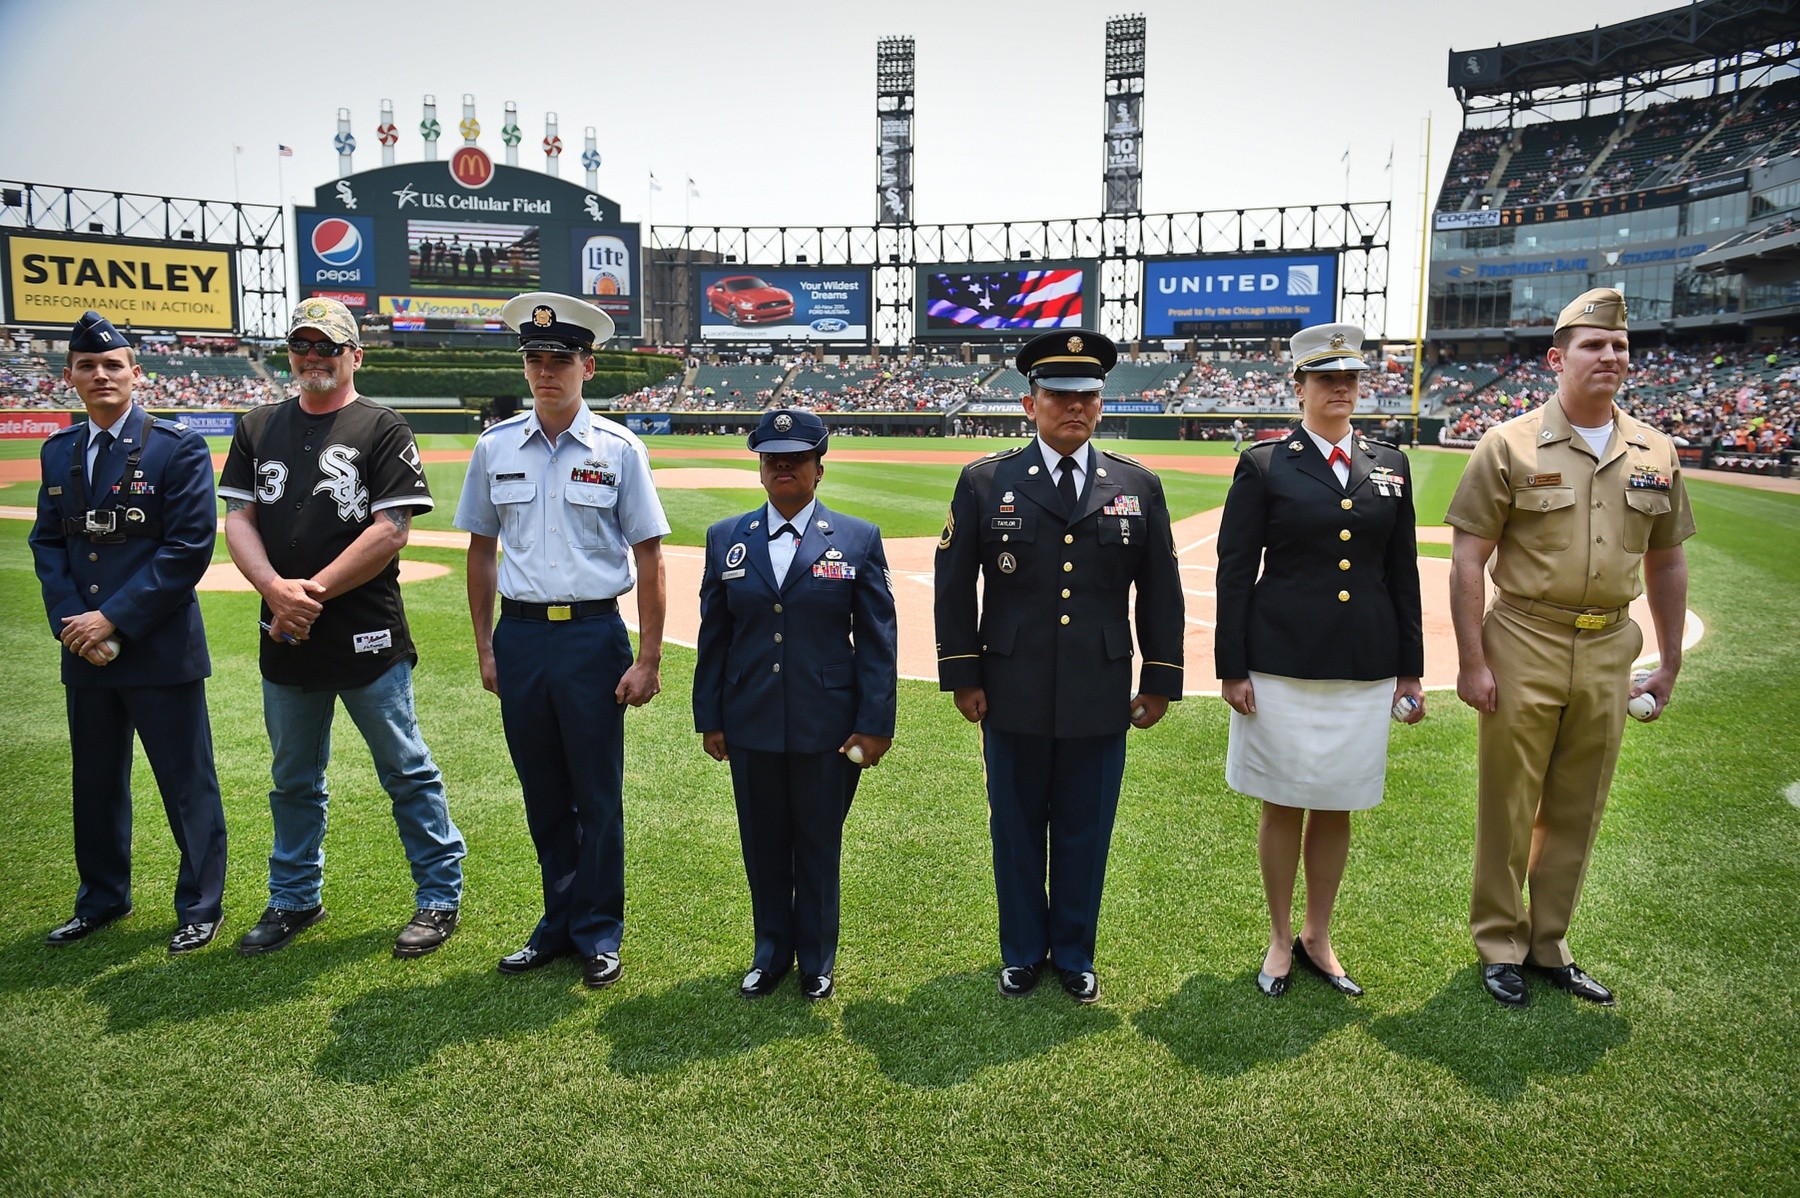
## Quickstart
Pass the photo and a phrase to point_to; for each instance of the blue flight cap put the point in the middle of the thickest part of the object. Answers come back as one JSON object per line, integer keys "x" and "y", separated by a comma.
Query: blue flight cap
{"x": 789, "y": 430}
{"x": 94, "y": 334}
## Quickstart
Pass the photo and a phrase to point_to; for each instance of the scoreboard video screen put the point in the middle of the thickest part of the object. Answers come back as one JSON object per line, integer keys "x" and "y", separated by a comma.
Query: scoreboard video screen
{"x": 425, "y": 247}
{"x": 976, "y": 300}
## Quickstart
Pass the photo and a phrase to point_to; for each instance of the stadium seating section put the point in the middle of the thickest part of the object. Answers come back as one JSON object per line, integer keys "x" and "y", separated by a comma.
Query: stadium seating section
{"x": 1671, "y": 142}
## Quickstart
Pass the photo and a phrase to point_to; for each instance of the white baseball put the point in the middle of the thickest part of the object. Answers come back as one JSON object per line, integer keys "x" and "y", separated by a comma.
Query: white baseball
{"x": 1137, "y": 713}
{"x": 1403, "y": 708}
{"x": 855, "y": 754}
{"x": 1644, "y": 706}
{"x": 111, "y": 645}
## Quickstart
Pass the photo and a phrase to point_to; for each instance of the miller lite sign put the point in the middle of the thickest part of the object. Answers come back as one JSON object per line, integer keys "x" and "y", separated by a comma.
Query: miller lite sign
{"x": 337, "y": 250}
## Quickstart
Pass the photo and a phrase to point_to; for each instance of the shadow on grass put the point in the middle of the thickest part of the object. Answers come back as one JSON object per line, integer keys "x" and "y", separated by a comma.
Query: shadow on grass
{"x": 952, "y": 1027}
{"x": 30, "y": 964}
{"x": 1497, "y": 1050}
{"x": 1226, "y": 1026}
{"x": 389, "y": 1031}
{"x": 703, "y": 1019}
{"x": 216, "y": 981}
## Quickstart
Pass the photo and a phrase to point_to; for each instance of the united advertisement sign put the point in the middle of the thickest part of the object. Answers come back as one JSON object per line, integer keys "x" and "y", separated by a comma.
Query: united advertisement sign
{"x": 1188, "y": 296}
{"x": 151, "y": 286}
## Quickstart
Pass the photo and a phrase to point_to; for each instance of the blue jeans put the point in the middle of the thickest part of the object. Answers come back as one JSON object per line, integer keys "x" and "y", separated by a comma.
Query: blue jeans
{"x": 299, "y": 724}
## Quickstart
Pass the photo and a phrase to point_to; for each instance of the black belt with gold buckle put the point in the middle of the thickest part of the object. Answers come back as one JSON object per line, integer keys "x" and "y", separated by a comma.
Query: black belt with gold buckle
{"x": 585, "y": 609}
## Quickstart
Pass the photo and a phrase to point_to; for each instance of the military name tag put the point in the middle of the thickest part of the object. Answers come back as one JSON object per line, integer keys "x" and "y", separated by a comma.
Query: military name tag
{"x": 731, "y": 574}
{"x": 1006, "y": 523}
{"x": 515, "y": 476}
{"x": 1543, "y": 480}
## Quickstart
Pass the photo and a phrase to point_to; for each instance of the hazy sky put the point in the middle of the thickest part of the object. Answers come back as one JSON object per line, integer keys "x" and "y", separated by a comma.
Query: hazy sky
{"x": 767, "y": 105}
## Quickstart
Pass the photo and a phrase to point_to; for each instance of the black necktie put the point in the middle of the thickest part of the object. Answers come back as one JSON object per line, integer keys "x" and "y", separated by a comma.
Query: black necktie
{"x": 101, "y": 477}
{"x": 789, "y": 529}
{"x": 1066, "y": 484}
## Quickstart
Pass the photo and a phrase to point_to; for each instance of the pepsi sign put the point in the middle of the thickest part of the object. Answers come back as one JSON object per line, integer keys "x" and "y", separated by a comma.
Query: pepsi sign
{"x": 337, "y": 249}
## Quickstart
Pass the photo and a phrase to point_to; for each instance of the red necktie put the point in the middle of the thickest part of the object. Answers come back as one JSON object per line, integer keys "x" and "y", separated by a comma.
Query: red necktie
{"x": 1338, "y": 455}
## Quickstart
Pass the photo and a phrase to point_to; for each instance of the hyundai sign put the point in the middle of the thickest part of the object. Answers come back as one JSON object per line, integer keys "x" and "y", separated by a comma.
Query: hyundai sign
{"x": 337, "y": 250}
{"x": 1187, "y": 296}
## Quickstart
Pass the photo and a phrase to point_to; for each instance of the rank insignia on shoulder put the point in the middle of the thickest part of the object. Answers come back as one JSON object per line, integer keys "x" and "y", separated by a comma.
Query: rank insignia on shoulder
{"x": 949, "y": 529}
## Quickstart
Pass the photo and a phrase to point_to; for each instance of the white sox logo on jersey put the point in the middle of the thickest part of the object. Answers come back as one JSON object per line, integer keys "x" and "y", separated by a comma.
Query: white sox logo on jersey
{"x": 344, "y": 484}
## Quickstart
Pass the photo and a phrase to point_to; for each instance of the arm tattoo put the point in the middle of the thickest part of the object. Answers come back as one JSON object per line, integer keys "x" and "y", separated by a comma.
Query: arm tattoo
{"x": 400, "y": 516}
{"x": 236, "y": 505}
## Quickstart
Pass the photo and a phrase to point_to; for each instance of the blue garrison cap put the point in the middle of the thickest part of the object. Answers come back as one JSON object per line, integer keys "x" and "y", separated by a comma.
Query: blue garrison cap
{"x": 94, "y": 334}
{"x": 789, "y": 430}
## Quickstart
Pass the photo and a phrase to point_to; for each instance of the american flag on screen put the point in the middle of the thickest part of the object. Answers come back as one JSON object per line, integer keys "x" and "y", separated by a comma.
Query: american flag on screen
{"x": 1023, "y": 299}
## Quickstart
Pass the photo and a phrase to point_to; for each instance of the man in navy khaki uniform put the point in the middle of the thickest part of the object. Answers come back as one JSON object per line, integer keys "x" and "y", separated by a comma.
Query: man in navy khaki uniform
{"x": 569, "y": 496}
{"x": 1058, "y": 533}
{"x": 125, "y": 526}
{"x": 1575, "y": 509}
{"x": 795, "y": 687}
{"x": 319, "y": 496}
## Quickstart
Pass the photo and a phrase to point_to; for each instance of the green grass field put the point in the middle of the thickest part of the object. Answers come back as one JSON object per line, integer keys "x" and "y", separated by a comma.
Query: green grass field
{"x": 331, "y": 1068}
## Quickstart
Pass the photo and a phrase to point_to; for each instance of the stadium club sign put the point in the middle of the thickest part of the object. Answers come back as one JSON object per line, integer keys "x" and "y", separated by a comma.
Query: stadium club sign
{"x": 1598, "y": 262}
{"x": 1613, "y": 205}
{"x": 51, "y": 279}
{"x": 1183, "y": 295}
{"x": 417, "y": 240}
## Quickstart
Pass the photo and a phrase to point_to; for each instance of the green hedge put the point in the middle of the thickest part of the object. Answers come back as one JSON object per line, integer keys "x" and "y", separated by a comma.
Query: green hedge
{"x": 382, "y": 381}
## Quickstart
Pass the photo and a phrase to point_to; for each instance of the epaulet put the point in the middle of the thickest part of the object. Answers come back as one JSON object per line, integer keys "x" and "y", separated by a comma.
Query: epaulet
{"x": 997, "y": 455}
{"x": 1123, "y": 457}
{"x": 168, "y": 426}
{"x": 64, "y": 431}
{"x": 1268, "y": 443}
{"x": 1377, "y": 441}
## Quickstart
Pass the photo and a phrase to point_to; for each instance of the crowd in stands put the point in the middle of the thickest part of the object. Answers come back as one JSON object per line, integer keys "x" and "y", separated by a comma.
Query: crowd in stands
{"x": 1732, "y": 399}
{"x": 173, "y": 378}
{"x": 1674, "y": 141}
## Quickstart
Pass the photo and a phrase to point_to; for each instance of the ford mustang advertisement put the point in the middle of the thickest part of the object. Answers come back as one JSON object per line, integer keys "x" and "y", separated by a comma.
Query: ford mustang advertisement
{"x": 784, "y": 305}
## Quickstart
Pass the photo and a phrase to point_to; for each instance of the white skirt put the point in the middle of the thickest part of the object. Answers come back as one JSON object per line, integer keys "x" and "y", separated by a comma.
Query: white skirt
{"x": 1315, "y": 744}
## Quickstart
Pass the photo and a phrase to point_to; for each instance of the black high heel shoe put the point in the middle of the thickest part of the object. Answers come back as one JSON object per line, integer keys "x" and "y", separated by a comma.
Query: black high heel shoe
{"x": 1341, "y": 982}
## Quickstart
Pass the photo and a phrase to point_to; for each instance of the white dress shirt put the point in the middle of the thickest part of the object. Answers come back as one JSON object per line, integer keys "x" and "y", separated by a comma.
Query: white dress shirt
{"x": 781, "y": 549}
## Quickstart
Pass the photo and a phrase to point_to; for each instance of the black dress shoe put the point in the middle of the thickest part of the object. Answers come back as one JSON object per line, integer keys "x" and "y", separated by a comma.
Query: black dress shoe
{"x": 601, "y": 971}
{"x": 1082, "y": 985}
{"x": 1570, "y": 977}
{"x": 817, "y": 987}
{"x": 529, "y": 958}
{"x": 1016, "y": 981}
{"x": 1271, "y": 985}
{"x": 760, "y": 983}
{"x": 428, "y": 930}
{"x": 1506, "y": 983}
{"x": 81, "y": 927}
{"x": 276, "y": 928}
{"x": 1341, "y": 982}
{"x": 190, "y": 936}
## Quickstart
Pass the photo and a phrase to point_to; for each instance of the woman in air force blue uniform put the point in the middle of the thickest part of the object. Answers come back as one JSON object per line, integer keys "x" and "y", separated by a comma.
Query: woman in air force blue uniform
{"x": 794, "y": 687}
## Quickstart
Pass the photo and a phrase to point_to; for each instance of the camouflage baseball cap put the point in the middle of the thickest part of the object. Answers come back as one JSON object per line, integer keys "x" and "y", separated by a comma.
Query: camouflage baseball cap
{"x": 327, "y": 316}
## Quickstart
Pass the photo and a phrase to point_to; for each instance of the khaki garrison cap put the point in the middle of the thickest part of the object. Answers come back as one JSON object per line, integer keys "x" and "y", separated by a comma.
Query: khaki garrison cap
{"x": 1601, "y": 308}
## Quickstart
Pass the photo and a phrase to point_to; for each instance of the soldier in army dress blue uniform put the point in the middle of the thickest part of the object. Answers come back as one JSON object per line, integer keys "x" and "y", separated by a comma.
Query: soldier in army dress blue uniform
{"x": 1058, "y": 533}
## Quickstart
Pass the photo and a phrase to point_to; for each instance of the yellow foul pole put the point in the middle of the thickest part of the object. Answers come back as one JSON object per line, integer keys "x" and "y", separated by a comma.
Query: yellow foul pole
{"x": 1424, "y": 253}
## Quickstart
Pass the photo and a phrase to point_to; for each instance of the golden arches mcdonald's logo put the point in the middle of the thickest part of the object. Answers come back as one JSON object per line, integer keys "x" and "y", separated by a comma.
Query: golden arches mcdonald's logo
{"x": 471, "y": 167}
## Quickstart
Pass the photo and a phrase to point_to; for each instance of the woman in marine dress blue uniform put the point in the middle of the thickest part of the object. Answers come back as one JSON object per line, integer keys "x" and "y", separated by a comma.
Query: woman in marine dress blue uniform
{"x": 1312, "y": 654}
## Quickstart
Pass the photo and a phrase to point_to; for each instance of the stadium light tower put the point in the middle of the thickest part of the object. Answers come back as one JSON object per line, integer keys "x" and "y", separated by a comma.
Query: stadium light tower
{"x": 1124, "y": 123}
{"x": 894, "y": 116}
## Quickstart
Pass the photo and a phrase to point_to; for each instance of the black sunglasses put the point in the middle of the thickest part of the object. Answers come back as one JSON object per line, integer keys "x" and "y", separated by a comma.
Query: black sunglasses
{"x": 300, "y": 347}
